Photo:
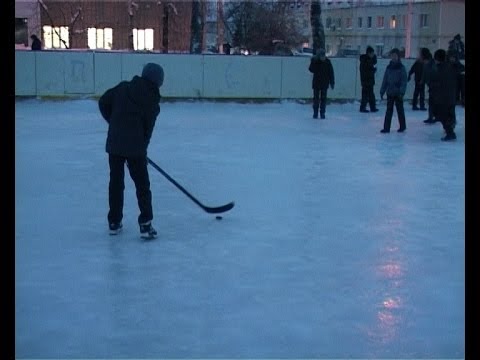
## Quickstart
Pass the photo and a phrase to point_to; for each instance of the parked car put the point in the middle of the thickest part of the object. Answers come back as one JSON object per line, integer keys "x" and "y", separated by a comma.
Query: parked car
{"x": 305, "y": 51}
{"x": 348, "y": 53}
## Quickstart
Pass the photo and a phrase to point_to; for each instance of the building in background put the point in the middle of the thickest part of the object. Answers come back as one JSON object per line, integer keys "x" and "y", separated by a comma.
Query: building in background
{"x": 27, "y": 22}
{"x": 108, "y": 24}
{"x": 165, "y": 26}
{"x": 350, "y": 26}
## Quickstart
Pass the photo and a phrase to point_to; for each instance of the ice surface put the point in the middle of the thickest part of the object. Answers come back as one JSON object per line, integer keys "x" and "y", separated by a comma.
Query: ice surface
{"x": 344, "y": 242}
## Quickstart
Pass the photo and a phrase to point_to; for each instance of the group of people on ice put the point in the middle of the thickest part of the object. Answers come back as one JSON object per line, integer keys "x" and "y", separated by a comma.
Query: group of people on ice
{"x": 442, "y": 73}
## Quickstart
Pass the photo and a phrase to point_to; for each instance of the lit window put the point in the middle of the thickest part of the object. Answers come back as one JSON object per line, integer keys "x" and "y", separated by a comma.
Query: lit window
{"x": 380, "y": 22}
{"x": 55, "y": 37}
{"x": 423, "y": 20}
{"x": 393, "y": 22}
{"x": 143, "y": 39}
{"x": 100, "y": 38}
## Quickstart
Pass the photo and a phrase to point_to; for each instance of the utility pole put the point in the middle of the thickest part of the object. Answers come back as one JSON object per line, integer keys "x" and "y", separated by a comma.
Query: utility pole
{"x": 408, "y": 29}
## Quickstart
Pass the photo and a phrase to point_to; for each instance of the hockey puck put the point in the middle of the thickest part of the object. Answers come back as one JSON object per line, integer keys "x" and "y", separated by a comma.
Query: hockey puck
{"x": 218, "y": 217}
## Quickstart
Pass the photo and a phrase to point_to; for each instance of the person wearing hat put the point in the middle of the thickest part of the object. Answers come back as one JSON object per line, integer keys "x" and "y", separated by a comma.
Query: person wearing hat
{"x": 323, "y": 76}
{"x": 131, "y": 109}
{"x": 443, "y": 84}
{"x": 367, "y": 79}
{"x": 394, "y": 84}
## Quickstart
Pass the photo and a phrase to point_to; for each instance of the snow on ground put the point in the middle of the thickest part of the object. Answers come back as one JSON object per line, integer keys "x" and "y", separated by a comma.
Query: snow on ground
{"x": 343, "y": 242}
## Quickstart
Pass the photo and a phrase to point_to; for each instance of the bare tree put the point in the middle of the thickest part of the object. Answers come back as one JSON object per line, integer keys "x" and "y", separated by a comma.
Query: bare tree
{"x": 69, "y": 21}
{"x": 169, "y": 8}
{"x": 197, "y": 24}
{"x": 318, "y": 32}
{"x": 132, "y": 6}
{"x": 258, "y": 26}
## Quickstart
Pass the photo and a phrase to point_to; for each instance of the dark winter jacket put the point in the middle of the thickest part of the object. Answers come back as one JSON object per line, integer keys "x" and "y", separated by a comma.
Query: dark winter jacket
{"x": 459, "y": 68}
{"x": 443, "y": 84}
{"x": 36, "y": 43}
{"x": 323, "y": 75}
{"x": 394, "y": 80}
{"x": 367, "y": 70}
{"x": 131, "y": 109}
{"x": 417, "y": 71}
{"x": 428, "y": 68}
{"x": 458, "y": 47}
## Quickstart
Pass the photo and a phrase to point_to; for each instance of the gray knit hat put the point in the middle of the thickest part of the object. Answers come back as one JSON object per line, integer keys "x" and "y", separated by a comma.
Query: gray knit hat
{"x": 154, "y": 73}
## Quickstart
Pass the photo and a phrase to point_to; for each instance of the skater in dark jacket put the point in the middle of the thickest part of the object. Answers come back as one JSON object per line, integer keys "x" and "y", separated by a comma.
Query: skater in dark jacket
{"x": 394, "y": 84}
{"x": 458, "y": 46}
{"x": 367, "y": 79}
{"x": 443, "y": 83}
{"x": 429, "y": 67}
{"x": 417, "y": 71}
{"x": 323, "y": 76}
{"x": 131, "y": 109}
{"x": 460, "y": 70}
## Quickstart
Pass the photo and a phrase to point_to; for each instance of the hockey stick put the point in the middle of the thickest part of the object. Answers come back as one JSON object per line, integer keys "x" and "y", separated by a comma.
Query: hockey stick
{"x": 210, "y": 210}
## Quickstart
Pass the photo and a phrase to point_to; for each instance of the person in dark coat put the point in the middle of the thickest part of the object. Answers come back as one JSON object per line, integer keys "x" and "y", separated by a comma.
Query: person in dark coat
{"x": 458, "y": 46}
{"x": 323, "y": 76}
{"x": 417, "y": 71}
{"x": 131, "y": 109}
{"x": 429, "y": 67}
{"x": 367, "y": 79}
{"x": 36, "y": 43}
{"x": 460, "y": 69}
{"x": 443, "y": 83}
{"x": 394, "y": 84}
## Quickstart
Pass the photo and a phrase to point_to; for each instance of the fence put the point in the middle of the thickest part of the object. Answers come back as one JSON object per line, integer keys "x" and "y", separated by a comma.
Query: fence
{"x": 88, "y": 73}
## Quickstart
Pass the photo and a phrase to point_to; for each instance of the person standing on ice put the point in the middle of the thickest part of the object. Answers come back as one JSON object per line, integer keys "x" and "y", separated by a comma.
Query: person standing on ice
{"x": 428, "y": 68}
{"x": 417, "y": 71}
{"x": 394, "y": 84}
{"x": 367, "y": 79}
{"x": 131, "y": 109}
{"x": 443, "y": 84}
{"x": 323, "y": 76}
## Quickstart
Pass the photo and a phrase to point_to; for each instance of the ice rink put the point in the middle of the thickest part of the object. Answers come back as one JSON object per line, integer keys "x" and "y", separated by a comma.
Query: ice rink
{"x": 343, "y": 242}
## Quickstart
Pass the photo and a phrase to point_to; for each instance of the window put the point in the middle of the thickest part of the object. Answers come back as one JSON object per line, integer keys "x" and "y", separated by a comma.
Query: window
{"x": 380, "y": 22}
{"x": 329, "y": 22}
{"x": 404, "y": 21}
{"x": 379, "y": 50}
{"x": 359, "y": 22}
{"x": 100, "y": 38}
{"x": 393, "y": 22}
{"x": 423, "y": 20}
{"x": 348, "y": 23}
{"x": 339, "y": 23}
{"x": 143, "y": 39}
{"x": 369, "y": 22}
{"x": 56, "y": 37}
{"x": 21, "y": 31}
